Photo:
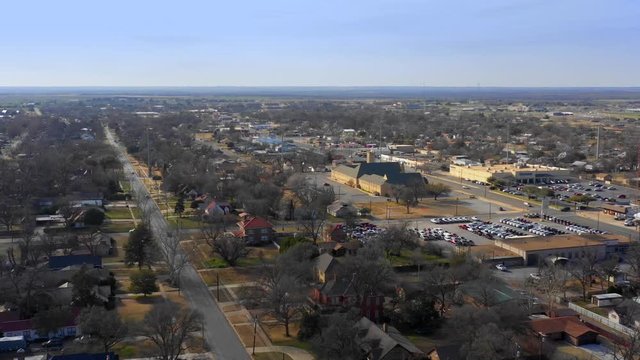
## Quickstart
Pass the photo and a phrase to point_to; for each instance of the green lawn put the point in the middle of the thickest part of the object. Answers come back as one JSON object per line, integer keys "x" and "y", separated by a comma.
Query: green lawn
{"x": 122, "y": 213}
{"x": 119, "y": 227}
{"x": 271, "y": 356}
{"x": 293, "y": 341}
{"x": 125, "y": 185}
{"x": 185, "y": 222}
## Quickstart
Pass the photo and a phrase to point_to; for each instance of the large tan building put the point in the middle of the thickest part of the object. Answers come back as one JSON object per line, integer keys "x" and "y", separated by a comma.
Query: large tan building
{"x": 536, "y": 249}
{"x": 375, "y": 177}
{"x": 526, "y": 174}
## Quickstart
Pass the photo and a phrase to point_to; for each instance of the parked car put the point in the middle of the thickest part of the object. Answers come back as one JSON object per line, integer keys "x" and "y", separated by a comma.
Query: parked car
{"x": 501, "y": 267}
{"x": 535, "y": 276}
{"x": 53, "y": 343}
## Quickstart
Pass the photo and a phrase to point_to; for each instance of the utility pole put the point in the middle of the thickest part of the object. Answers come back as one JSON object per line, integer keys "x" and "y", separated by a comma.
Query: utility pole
{"x": 508, "y": 136}
{"x": 149, "y": 153}
{"x": 598, "y": 144}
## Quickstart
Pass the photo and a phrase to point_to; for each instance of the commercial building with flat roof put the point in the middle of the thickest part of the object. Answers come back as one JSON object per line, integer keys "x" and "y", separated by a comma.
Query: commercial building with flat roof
{"x": 526, "y": 174}
{"x": 536, "y": 249}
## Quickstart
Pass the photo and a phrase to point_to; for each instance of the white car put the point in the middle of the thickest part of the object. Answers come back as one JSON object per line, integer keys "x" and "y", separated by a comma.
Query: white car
{"x": 535, "y": 276}
{"x": 501, "y": 267}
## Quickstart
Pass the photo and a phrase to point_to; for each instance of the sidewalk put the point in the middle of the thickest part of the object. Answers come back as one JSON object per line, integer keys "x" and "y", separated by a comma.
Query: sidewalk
{"x": 293, "y": 352}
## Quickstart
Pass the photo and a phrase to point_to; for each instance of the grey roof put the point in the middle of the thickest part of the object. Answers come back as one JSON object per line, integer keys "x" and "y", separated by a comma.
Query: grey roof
{"x": 338, "y": 206}
{"x": 324, "y": 262}
{"x": 375, "y": 173}
{"x": 377, "y": 343}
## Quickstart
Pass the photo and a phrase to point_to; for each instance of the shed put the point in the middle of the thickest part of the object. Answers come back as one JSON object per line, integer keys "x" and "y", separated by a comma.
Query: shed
{"x": 610, "y": 299}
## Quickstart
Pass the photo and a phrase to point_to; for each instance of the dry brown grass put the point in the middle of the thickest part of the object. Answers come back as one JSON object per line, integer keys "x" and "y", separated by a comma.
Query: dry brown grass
{"x": 426, "y": 208}
{"x": 245, "y": 331}
{"x": 230, "y": 275}
{"x": 135, "y": 309}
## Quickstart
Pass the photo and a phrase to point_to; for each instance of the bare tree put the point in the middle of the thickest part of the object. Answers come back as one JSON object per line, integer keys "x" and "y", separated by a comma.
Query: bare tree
{"x": 168, "y": 326}
{"x": 397, "y": 237}
{"x": 312, "y": 220}
{"x": 607, "y": 269}
{"x": 103, "y": 324}
{"x": 439, "y": 283}
{"x": 583, "y": 269}
{"x": 551, "y": 283}
{"x": 283, "y": 293}
{"x": 210, "y": 232}
{"x": 633, "y": 258}
{"x": 230, "y": 248}
{"x": 173, "y": 256}
{"x": 90, "y": 240}
{"x": 369, "y": 270}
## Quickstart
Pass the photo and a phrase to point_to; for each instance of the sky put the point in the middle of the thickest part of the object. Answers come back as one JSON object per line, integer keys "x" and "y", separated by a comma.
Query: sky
{"x": 320, "y": 43}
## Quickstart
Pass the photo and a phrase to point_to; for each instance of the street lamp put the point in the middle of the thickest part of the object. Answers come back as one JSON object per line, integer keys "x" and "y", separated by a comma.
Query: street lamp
{"x": 457, "y": 198}
{"x": 255, "y": 330}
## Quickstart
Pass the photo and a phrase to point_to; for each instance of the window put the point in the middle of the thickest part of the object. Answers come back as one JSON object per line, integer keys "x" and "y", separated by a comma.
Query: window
{"x": 264, "y": 238}
{"x": 265, "y": 231}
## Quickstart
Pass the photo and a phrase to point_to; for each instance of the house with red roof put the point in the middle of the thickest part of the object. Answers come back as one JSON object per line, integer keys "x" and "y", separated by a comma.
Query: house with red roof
{"x": 255, "y": 230}
{"x": 568, "y": 328}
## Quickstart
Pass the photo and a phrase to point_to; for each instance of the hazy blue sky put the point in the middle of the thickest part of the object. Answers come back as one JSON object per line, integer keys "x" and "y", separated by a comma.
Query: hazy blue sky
{"x": 323, "y": 42}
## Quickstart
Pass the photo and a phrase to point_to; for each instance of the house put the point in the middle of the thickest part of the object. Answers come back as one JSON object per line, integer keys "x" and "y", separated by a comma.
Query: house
{"x": 446, "y": 352}
{"x": 60, "y": 262}
{"x": 255, "y": 230}
{"x": 326, "y": 246}
{"x": 87, "y": 199}
{"x": 568, "y": 328}
{"x": 326, "y": 266}
{"x": 603, "y": 177}
{"x": 615, "y": 210}
{"x": 341, "y": 209}
{"x": 384, "y": 343}
{"x": 339, "y": 292}
{"x": 626, "y": 313}
{"x": 610, "y": 299}
{"x": 12, "y": 325}
{"x": 335, "y": 233}
{"x": 218, "y": 208}
{"x": 87, "y": 356}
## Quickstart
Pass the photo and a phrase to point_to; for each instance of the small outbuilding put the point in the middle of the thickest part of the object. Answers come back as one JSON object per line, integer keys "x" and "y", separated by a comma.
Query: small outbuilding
{"x": 610, "y": 299}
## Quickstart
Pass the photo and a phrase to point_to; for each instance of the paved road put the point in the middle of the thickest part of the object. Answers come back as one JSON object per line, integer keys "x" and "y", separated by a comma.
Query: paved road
{"x": 220, "y": 336}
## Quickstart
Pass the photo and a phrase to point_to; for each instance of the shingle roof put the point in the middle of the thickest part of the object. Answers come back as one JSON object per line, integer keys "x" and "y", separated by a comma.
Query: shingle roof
{"x": 59, "y": 262}
{"x": 324, "y": 262}
{"x": 86, "y": 356}
{"x": 569, "y": 325}
{"x": 377, "y": 343}
{"x": 256, "y": 223}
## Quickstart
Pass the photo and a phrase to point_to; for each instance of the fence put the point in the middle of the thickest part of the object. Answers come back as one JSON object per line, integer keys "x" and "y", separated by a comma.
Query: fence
{"x": 600, "y": 319}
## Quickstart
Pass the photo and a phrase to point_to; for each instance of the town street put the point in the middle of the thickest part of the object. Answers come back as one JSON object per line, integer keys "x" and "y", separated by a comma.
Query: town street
{"x": 220, "y": 336}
